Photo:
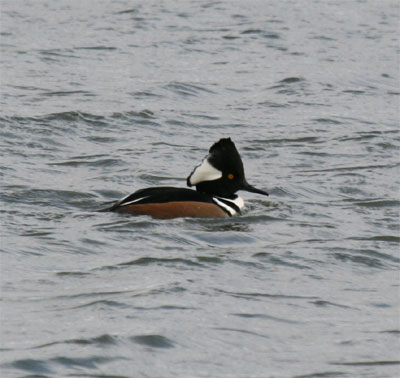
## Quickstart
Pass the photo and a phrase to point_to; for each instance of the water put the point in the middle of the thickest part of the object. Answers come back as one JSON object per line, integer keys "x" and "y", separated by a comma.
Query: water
{"x": 100, "y": 99}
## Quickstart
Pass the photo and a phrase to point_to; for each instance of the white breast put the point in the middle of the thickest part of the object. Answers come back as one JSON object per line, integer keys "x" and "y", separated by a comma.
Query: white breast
{"x": 238, "y": 201}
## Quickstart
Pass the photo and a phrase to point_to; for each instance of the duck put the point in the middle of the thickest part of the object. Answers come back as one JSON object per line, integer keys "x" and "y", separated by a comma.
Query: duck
{"x": 216, "y": 180}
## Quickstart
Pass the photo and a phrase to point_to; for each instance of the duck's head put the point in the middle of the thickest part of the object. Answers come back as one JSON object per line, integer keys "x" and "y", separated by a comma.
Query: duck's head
{"x": 221, "y": 173}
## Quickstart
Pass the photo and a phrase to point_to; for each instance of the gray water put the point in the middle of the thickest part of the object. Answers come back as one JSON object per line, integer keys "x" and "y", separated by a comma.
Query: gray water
{"x": 102, "y": 98}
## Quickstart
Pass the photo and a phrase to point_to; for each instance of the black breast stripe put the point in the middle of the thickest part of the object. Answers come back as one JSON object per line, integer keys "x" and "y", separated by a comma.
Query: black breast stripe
{"x": 229, "y": 204}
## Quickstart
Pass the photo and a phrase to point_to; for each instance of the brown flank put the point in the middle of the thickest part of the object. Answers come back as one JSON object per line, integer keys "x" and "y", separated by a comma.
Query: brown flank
{"x": 176, "y": 209}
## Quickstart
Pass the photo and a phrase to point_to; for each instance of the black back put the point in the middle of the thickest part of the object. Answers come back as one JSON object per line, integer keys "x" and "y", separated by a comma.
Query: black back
{"x": 163, "y": 194}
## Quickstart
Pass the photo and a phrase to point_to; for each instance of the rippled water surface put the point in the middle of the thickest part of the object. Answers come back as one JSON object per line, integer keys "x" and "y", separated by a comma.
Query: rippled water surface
{"x": 102, "y": 98}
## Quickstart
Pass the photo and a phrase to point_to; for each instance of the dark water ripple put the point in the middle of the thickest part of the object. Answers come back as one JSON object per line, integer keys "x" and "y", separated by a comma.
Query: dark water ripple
{"x": 100, "y": 101}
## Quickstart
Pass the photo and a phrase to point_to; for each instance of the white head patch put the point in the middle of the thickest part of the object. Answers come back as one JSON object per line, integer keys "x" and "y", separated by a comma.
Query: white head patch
{"x": 204, "y": 172}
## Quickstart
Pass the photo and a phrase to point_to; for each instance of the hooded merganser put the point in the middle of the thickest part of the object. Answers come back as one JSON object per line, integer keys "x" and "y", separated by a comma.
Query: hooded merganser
{"x": 217, "y": 178}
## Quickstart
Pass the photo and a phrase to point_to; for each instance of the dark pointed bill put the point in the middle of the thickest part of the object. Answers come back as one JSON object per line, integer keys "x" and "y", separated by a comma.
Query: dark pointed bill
{"x": 252, "y": 189}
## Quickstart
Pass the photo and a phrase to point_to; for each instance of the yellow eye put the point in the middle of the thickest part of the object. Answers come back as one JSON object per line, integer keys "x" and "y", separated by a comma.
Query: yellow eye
{"x": 231, "y": 176}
